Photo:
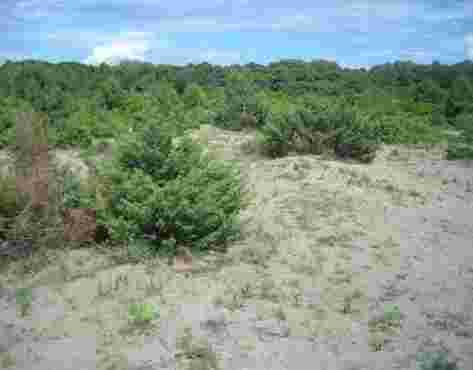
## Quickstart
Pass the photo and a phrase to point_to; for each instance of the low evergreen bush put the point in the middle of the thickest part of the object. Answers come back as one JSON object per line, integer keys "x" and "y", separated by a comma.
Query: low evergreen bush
{"x": 170, "y": 193}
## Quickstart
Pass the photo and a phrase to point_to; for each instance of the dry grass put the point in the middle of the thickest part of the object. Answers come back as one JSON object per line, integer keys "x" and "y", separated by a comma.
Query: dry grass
{"x": 32, "y": 158}
{"x": 196, "y": 352}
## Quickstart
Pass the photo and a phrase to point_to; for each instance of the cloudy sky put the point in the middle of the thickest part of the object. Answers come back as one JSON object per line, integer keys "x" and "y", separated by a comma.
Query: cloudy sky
{"x": 352, "y": 32}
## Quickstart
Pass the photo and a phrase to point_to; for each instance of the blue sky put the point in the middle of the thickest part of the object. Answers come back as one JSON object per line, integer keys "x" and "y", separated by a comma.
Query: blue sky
{"x": 355, "y": 33}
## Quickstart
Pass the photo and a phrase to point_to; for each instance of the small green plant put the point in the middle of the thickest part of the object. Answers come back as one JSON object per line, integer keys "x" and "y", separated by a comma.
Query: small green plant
{"x": 392, "y": 314}
{"x": 435, "y": 361}
{"x": 24, "y": 298}
{"x": 391, "y": 318}
{"x": 142, "y": 313}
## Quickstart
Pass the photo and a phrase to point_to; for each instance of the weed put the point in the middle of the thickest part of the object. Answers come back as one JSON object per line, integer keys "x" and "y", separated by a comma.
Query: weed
{"x": 391, "y": 318}
{"x": 24, "y": 298}
{"x": 199, "y": 352}
{"x": 140, "y": 314}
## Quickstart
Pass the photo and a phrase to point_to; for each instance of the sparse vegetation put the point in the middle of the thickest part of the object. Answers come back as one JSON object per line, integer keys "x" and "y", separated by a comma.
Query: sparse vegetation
{"x": 197, "y": 352}
{"x": 152, "y": 189}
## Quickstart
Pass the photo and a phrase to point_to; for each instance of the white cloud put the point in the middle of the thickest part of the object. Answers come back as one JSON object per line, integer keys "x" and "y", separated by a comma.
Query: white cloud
{"x": 146, "y": 46}
{"x": 132, "y": 45}
{"x": 469, "y": 46}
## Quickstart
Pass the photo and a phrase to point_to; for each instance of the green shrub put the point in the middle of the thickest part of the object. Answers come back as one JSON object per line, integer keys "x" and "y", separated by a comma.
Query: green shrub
{"x": 461, "y": 147}
{"x": 169, "y": 192}
{"x": 403, "y": 128}
{"x": 275, "y": 137}
{"x": 459, "y": 150}
{"x": 201, "y": 208}
{"x": 194, "y": 96}
{"x": 148, "y": 152}
{"x": 464, "y": 122}
{"x": 339, "y": 129}
{"x": 355, "y": 138}
{"x": 129, "y": 195}
{"x": 435, "y": 361}
{"x": 71, "y": 189}
{"x": 9, "y": 107}
{"x": 83, "y": 126}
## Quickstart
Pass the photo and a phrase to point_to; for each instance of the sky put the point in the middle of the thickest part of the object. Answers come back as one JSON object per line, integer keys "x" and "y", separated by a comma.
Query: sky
{"x": 354, "y": 33}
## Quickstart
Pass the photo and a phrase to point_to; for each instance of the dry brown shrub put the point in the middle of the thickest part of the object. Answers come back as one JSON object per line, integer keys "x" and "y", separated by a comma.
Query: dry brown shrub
{"x": 32, "y": 158}
{"x": 36, "y": 221}
{"x": 80, "y": 225}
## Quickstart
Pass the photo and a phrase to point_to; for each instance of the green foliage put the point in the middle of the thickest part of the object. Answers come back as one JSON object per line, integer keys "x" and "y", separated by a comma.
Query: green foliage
{"x": 355, "y": 137}
{"x": 81, "y": 101}
{"x": 142, "y": 313}
{"x": 391, "y": 318}
{"x": 201, "y": 208}
{"x": 73, "y": 195}
{"x": 111, "y": 93}
{"x": 129, "y": 195}
{"x": 438, "y": 117}
{"x": 461, "y": 147}
{"x": 435, "y": 361}
{"x": 194, "y": 96}
{"x": 392, "y": 314}
{"x": 464, "y": 122}
{"x": 24, "y": 298}
{"x": 429, "y": 91}
{"x": 170, "y": 192}
{"x": 9, "y": 107}
{"x": 275, "y": 137}
{"x": 10, "y": 204}
{"x": 460, "y": 150}
{"x": 460, "y": 98}
{"x": 167, "y": 98}
{"x": 240, "y": 96}
{"x": 340, "y": 129}
{"x": 83, "y": 126}
{"x": 405, "y": 128}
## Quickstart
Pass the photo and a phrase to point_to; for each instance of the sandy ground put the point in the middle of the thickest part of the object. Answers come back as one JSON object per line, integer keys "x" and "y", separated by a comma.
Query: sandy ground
{"x": 328, "y": 249}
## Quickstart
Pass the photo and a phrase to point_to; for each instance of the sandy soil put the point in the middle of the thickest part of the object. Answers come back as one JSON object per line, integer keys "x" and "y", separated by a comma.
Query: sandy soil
{"x": 329, "y": 249}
